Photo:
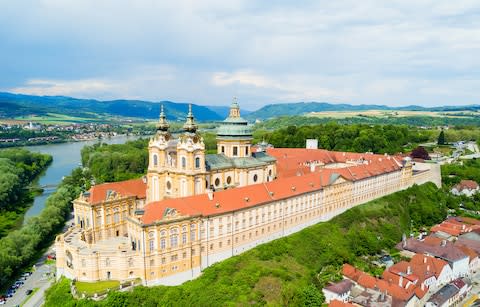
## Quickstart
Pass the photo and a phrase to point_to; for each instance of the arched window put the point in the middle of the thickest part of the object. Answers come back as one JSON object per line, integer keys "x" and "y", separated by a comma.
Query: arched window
{"x": 173, "y": 237}
{"x": 223, "y": 149}
{"x": 155, "y": 160}
{"x": 69, "y": 259}
{"x": 197, "y": 162}
{"x": 163, "y": 240}
{"x": 184, "y": 162}
{"x": 255, "y": 178}
{"x": 116, "y": 216}
{"x": 192, "y": 232}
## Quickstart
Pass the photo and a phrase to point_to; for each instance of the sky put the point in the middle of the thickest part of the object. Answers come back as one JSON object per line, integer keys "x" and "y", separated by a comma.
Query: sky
{"x": 424, "y": 52}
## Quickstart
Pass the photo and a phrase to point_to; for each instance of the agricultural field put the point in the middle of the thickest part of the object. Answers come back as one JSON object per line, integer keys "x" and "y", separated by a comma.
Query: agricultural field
{"x": 391, "y": 113}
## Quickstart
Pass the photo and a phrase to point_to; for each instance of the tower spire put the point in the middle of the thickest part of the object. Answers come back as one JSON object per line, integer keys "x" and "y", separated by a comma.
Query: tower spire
{"x": 190, "y": 125}
{"x": 162, "y": 124}
{"x": 234, "y": 108}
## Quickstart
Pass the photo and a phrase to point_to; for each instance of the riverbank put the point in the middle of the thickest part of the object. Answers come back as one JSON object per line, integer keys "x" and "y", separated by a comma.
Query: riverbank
{"x": 19, "y": 173}
{"x": 13, "y": 219}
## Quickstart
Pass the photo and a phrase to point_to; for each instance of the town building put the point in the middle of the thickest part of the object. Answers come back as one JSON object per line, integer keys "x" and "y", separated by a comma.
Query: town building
{"x": 338, "y": 291}
{"x": 465, "y": 187}
{"x": 450, "y": 294}
{"x": 442, "y": 249}
{"x": 193, "y": 209}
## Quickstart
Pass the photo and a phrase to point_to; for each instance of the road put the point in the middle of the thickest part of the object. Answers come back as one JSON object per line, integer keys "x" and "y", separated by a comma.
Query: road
{"x": 42, "y": 278}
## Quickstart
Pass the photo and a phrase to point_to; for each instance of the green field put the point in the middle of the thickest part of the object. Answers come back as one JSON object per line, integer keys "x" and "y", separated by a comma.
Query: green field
{"x": 390, "y": 114}
{"x": 54, "y": 118}
{"x": 90, "y": 288}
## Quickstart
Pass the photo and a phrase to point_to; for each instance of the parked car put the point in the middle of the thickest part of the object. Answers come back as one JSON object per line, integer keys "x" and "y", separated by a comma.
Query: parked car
{"x": 28, "y": 292}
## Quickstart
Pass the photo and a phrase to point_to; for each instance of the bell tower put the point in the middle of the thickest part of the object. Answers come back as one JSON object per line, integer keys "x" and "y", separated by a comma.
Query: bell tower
{"x": 161, "y": 155}
{"x": 176, "y": 167}
{"x": 191, "y": 159}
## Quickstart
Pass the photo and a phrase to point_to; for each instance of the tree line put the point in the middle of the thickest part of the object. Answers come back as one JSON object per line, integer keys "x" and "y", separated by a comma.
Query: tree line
{"x": 117, "y": 162}
{"x": 359, "y": 138}
{"x": 18, "y": 167}
{"x": 22, "y": 247}
{"x": 414, "y": 121}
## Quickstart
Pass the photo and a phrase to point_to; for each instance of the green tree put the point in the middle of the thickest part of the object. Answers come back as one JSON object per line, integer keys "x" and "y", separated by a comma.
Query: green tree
{"x": 441, "y": 138}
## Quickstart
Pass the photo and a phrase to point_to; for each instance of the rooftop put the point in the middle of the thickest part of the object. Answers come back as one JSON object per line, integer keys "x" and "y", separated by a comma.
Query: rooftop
{"x": 434, "y": 246}
{"x": 113, "y": 190}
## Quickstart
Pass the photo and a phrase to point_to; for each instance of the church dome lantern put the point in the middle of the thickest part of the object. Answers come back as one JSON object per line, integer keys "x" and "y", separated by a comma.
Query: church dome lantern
{"x": 234, "y": 126}
{"x": 190, "y": 125}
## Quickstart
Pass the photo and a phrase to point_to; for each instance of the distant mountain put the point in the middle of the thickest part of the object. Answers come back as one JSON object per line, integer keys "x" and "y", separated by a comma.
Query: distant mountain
{"x": 14, "y": 105}
{"x": 299, "y": 108}
{"x": 224, "y": 111}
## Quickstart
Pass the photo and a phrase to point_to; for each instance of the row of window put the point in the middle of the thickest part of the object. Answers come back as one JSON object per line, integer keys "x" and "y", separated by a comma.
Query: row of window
{"x": 234, "y": 150}
{"x": 183, "y": 161}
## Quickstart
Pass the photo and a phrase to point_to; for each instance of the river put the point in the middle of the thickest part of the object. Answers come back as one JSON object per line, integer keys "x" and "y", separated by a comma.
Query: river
{"x": 66, "y": 156}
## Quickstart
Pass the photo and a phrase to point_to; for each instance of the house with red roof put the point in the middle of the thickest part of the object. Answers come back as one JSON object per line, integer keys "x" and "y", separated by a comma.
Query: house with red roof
{"x": 403, "y": 293}
{"x": 465, "y": 187}
{"x": 439, "y": 248}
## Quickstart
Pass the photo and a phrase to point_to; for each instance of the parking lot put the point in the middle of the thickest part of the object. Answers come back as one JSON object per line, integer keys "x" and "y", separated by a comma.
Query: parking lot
{"x": 40, "y": 279}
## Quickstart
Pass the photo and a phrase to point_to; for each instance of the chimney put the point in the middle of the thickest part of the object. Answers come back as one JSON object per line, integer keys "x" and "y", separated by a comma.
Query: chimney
{"x": 422, "y": 286}
{"x": 210, "y": 194}
{"x": 312, "y": 167}
{"x": 144, "y": 179}
{"x": 409, "y": 270}
{"x": 425, "y": 259}
{"x": 428, "y": 268}
{"x": 400, "y": 281}
{"x": 444, "y": 243}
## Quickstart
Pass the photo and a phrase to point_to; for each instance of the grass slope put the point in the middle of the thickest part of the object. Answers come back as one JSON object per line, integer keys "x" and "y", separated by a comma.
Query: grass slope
{"x": 290, "y": 270}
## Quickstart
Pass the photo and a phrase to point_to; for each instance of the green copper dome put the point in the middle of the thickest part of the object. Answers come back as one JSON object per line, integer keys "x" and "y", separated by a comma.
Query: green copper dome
{"x": 234, "y": 126}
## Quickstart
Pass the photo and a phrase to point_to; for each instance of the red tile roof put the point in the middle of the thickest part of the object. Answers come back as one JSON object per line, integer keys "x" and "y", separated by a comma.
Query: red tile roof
{"x": 393, "y": 289}
{"x": 453, "y": 227}
{"x": 294, "y": 161}
{"x": 134, "y": 187}
{"x": 467, "y": 185}
{"x": 337, "y": 303}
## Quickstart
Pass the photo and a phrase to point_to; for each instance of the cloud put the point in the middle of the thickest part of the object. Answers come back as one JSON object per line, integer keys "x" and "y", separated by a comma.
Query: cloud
{"x": 395, "y": 52}
{"x": 64, "y": 87}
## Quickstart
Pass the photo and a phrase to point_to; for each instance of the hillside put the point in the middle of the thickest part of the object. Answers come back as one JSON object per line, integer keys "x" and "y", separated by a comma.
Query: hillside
{"x": 291, "y": 270}
{"x": 17, "y": 106}
{"x": 299, "y": 108}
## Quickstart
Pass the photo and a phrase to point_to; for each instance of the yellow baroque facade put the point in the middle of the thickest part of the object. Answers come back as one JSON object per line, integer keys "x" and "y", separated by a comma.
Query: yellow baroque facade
{"x": 193, "y": 209}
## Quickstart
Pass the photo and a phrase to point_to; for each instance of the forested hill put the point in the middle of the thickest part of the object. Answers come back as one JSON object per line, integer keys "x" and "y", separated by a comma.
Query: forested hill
{"x": 284, "y": 109}
{"x": 15, "y": 105}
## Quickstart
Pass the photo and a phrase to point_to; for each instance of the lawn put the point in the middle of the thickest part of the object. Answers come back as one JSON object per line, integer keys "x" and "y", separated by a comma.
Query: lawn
{"x": 90, "y": 288}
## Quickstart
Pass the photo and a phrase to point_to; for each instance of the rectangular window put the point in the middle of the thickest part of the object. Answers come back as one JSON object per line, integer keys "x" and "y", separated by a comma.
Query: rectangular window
{"x": 235, "y": 151}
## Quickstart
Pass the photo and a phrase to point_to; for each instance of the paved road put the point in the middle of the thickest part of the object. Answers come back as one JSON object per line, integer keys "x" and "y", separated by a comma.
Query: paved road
{"x": 41, "y": 278}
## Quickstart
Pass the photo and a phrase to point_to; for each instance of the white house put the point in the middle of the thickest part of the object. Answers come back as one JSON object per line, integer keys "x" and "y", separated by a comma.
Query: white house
{"x": 465, "y": 187}
{"x": 338, "y": 291}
